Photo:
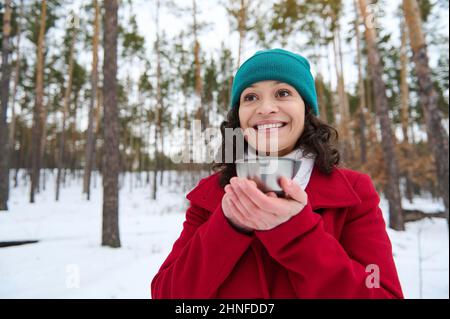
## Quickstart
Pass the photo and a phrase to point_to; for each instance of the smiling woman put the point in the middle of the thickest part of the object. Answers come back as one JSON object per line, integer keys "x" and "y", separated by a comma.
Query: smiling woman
{"x": 301, "y": 130}
{"x": 324, "y": 238}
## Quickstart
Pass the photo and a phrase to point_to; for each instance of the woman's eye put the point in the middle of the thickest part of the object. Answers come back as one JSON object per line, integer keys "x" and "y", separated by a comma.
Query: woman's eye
{"x": 283, "y": 93}
{"x": 249, "y": 97}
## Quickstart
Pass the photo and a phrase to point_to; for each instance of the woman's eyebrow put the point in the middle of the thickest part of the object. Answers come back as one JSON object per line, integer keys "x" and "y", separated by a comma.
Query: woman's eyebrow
{"x": 275, "y": 83}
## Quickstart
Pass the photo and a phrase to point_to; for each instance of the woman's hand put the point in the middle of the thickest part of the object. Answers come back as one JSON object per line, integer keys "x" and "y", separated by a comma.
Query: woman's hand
{"x": 247, "y": 208}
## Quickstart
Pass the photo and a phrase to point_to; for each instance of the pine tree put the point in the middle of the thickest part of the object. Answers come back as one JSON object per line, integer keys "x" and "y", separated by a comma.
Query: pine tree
{"x": 392, "y": 191}
{"x": 111, "y": 155}
{"x": 38, "y": 114}
{"x": 4, "y": 96}
{"x": 437, "y": 137}
{"x": 90, "y": 136}
{"x": 71, "y": 39}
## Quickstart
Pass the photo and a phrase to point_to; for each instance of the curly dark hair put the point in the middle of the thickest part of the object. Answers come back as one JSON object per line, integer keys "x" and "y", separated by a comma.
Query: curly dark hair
{"x": 318, "y": 138}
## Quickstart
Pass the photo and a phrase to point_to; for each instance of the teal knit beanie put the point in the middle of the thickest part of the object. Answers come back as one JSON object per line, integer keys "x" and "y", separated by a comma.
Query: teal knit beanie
{"x": 277, "y": 65}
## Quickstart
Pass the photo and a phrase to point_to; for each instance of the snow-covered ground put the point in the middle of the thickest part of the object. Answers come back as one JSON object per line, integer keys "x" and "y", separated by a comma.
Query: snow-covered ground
{"x": 69, "y": 262}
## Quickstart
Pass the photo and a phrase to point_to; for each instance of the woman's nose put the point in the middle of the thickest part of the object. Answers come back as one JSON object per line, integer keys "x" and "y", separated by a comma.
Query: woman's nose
{"x": 267, "y": 106}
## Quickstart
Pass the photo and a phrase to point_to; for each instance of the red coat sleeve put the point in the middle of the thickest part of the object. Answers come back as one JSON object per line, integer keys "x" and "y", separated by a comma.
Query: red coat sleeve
{"x": 201, "y": 258}
{"x": 320, "y": 266}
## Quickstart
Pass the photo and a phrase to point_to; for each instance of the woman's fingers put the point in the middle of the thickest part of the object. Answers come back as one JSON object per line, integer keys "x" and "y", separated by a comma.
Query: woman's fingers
{"x": 252, "y": 194}
{"x": 234, "y": 196}
{"x": 293, "y": 190}
{"x": 257, "y": 210}
{"x": 240, "y": 190}
{"x": 237, "y": 216}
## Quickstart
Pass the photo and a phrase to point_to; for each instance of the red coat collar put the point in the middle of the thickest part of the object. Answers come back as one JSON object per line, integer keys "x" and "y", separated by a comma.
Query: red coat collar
{"x": 324, "y": 191}
{"x": 330, "y": 191}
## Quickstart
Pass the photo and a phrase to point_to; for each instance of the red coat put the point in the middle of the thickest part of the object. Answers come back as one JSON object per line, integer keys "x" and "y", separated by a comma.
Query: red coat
{"x": 322, "y": 252}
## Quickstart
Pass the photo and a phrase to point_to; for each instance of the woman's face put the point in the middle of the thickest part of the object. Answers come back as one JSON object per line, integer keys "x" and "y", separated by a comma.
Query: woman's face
{"x": 272, "y": 116}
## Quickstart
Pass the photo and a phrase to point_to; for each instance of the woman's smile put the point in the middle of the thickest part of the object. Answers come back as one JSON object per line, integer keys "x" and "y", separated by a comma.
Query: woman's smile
{"x": 270, "y": 126}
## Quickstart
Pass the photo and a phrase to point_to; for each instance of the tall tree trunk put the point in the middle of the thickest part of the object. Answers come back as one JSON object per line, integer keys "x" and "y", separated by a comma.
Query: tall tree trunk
{"x": 38, "y": 113}
{"x": 158, "y": 106}
{"x": 321, "y": 84}
{"x": 141, "y": 134}
{"x": 343, "y": 101}
{"x": 350, "y": 124}
{"x": 4, "y": 95}
{"x": 98, "y": 112}
{"x": 66, "y": 102}
{"x": 89, "y": 151}
{"x": 12, "y": 129}
{"x": 404, "y": 89}
{"x": 187, "y": 145}
{"x": 437, "y": 137}
{"x": 361, "y": 94}
{"x": 392, "y": 191}
{"x": 202, "y": 113}
{"x": 332, "y": 120}
{"x": 161, "y": 137}
{"x": 404, "y": 107}
{"x": 73, "y": 135}
{"x": 242, "y": 17}
{"x": 111, "y": 155}
{"x": 346, "y": 104}
{"x": 155, "y": 170}
{"x": 41, "y": 184}
{"x": 370, "y": 119}
{"x": 321, "y": 97}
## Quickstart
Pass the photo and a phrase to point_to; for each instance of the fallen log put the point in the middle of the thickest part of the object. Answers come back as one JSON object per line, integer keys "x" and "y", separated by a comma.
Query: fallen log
{"x": 411, "y": 215}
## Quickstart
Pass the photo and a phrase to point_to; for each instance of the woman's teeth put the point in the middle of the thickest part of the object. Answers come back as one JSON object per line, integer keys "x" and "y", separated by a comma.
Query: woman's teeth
{"x": 268, "y": 126}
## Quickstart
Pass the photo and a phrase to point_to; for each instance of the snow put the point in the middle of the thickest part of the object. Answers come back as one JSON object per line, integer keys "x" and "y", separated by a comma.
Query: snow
{"x": 421, "y": 252}
{"x": 69, "y": 261}
{"x": 70, "y": 243}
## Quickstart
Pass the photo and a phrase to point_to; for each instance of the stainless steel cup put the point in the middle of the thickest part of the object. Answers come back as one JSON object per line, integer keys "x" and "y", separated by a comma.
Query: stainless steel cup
{"x": 266, "y": 171}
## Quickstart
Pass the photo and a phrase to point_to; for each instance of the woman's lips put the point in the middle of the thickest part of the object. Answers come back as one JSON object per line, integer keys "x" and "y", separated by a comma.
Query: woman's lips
{"x": 270, "y": 130}
{"x": 269, "y": 126}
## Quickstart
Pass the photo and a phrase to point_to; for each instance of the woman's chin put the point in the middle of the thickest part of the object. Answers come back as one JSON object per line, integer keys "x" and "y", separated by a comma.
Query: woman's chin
{"x": 267, "y": 145}
{"x": 267, "y": 149}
